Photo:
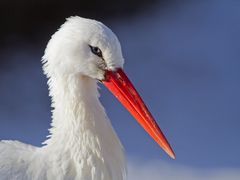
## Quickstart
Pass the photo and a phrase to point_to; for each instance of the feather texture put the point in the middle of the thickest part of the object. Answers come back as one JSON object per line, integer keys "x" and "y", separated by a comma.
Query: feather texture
{"x": 82, "y": 144}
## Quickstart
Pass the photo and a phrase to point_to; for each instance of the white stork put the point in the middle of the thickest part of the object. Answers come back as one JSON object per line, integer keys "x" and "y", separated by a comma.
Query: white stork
{"x": 82, "y": 144}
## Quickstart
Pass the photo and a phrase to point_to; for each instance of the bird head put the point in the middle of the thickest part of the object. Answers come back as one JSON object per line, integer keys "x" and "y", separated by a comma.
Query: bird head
{"x": 83, "y": 46}
{"x": 89, "y": 48}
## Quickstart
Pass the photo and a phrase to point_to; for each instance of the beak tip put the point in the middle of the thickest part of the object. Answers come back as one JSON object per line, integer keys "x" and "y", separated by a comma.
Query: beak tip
{"x": 168, "y": 149}
{"x": 172, "y": 155}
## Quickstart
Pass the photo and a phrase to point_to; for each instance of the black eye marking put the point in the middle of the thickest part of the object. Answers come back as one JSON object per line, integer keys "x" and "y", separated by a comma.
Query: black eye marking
{"x": 96, "y": 51}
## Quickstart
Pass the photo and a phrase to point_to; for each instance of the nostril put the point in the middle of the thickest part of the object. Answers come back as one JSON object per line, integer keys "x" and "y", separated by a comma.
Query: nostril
{"x": 121, "y": 80}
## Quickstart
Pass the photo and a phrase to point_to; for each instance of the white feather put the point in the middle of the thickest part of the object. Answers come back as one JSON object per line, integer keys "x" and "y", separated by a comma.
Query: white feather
{"x": 82, "y": 143}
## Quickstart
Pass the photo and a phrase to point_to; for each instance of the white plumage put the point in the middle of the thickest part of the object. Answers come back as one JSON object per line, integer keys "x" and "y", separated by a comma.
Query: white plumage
{"x": 82, "y": 144}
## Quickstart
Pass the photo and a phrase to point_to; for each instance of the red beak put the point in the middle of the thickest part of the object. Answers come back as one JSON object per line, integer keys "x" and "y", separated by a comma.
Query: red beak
{"x": 119, "y": 84}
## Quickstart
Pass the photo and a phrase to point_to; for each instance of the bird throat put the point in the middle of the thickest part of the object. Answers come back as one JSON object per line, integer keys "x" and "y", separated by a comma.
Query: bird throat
{"x": 81, "y": 133}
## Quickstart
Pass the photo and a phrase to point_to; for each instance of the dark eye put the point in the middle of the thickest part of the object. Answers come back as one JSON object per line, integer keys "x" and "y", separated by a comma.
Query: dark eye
{"x": 96, "y": 51}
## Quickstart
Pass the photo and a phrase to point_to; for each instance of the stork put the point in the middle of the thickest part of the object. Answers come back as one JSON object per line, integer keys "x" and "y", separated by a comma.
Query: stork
{"x": 82, "y": 144}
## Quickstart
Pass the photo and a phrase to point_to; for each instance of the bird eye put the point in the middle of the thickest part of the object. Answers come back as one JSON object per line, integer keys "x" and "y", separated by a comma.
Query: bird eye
{"x": 96, "y": 51}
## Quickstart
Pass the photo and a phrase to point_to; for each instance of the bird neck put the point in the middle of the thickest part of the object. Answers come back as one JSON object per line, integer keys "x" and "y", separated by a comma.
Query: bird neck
{"x": 74, "y": 103}
{"x": 80, "y": 128}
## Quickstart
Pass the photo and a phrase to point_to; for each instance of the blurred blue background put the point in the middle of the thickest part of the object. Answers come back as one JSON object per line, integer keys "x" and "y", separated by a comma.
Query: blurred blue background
{"x": 183, "y": 57}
